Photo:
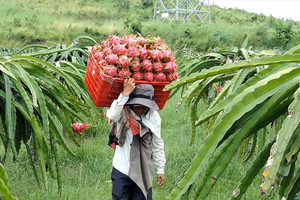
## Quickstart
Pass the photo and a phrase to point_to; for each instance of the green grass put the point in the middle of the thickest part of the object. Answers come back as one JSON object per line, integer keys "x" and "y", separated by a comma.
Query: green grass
{"x": 87, "y": 176}
{"x": 53, "y": 21}
{"x": 47, "y": 22}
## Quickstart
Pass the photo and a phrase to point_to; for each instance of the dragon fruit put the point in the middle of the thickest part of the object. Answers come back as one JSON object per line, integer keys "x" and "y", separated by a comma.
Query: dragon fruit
{"x": 170, "y": 67}
{"x": 170, "y": 77}
{"x": 95, "y": 49}
{"x": 142, "y": 41}
{"x": 124, "y": 61}
{"x": 112, "y": 59}
{"x": 113, "y": 39}
{"x": 148, "y": 76}
{"x": 99, "y": 55}
{"x": 161, "y": 77}
{"x": 107, "y": 51}
{"x": 219, "y": 89}
{"x": 156, "y": 54}
{"x": 120, "y": 49}
{"x": 144, "y": 53}
{"x": 137, "y": 76}
{"x": 129, "y": 41}
{"x": 102, "y": 62}
{"x": 147, "y": 65}
{"x": 166, "y": 55}
{"x": 110, "y": 70}
{"x": 136, "y": 66}
{"x": 105, "y": 44}
{"x": 79, "y": 127}
{"x": 124, "y": 73}
{"x": 158, "y": 67}
{"x": 133, "y": 52}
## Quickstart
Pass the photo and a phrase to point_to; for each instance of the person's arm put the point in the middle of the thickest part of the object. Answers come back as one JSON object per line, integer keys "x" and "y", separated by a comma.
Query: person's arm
{"x": 114, "y": 113}
{"x": 128, "y": 87}
{"x": 159, "y": 155}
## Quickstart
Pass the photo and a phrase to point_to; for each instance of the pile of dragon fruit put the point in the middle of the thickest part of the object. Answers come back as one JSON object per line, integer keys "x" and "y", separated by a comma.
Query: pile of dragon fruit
{"x": 131, "y": 56}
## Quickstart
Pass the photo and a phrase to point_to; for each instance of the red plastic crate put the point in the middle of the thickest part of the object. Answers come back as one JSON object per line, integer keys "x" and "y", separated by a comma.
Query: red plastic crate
{"x": 104, "y": 89}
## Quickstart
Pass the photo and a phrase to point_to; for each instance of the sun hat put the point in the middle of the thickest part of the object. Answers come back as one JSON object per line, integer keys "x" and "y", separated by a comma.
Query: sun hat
{"x": 143, "y": 94}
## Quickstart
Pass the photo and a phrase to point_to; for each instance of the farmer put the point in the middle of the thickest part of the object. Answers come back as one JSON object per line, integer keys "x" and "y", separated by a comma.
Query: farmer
{"x": 139, "y": 142}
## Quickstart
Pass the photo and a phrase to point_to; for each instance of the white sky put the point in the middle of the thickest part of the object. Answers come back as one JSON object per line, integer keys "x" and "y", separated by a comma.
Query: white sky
{"x": 287, "y": 9}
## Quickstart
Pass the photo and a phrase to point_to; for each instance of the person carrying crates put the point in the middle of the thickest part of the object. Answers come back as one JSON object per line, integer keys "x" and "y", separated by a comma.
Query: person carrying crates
{"x": 136, "y": 138}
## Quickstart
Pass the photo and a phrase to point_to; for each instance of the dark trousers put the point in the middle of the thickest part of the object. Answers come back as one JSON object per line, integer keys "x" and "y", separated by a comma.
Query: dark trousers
{"x": 125, "y": 189}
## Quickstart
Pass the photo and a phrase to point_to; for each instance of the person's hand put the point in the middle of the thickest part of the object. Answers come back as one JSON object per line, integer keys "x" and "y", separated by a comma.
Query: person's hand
{"x": 160, "y": 179}
{"x": 128, "y": 86}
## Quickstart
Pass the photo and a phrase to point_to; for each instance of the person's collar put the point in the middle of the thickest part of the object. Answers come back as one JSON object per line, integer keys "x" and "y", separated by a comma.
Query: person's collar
{"x": 147, "y": 115}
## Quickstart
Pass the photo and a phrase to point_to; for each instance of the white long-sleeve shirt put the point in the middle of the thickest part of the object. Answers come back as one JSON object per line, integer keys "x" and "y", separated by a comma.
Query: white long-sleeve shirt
{"x": 152, "y": 120}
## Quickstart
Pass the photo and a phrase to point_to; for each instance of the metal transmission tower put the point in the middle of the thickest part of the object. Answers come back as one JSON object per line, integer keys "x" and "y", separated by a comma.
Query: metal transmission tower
{"x": 182, "y": 10}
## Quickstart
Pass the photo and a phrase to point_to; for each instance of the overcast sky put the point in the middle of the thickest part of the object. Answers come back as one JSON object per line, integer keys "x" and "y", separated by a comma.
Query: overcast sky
{"x": 287, "y": 9}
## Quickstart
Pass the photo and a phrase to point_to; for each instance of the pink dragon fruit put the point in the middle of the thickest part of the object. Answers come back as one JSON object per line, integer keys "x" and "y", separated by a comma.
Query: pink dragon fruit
{"x": 142, "y": 41}
{"x": 124, "y": 73}
{"x": 99, "y": 55}
{"x": 110, "y": 70}
{"x": 129, "y": 41}
{"x": 170, "y": 77}
{"x": 124, "y": 61}
{"x": 94, "y": 49}
{"x": 167, "y": 55}
{"x": 133, "y": 52}
{"x": 113, "y": 39}
{"x": 102, "y": 62}
{"x": 78, "y": 127}
{"x": 156, "y": 54}
{"x": 137, "y": 76}
{"x": 161, "y": 77}
{"x": 136, "y": 66}
{"x": 105, "y": 44}
{"x": 148, "y": 76}
{"x": 144, "y": 53}
{"x": 219, "y": 89}
{"x": 107, "y": 51}
{"x": 147, "y": 65}
{"x": 170, "y": 67}
{"x": 158, "y": 67}
{"x": 112, "y": 59}
{"x": 120, "y": 49}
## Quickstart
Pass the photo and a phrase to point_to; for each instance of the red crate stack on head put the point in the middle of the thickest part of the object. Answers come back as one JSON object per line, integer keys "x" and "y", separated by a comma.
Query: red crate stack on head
{"x": 147, "y": 60}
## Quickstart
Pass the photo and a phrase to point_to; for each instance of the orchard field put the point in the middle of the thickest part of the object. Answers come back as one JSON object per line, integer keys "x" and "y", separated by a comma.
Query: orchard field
{"x": 230, "y": 126}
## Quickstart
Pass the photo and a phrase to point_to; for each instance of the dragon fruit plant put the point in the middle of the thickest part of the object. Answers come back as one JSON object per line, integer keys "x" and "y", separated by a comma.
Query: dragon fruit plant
{"x": 141, "y": 58}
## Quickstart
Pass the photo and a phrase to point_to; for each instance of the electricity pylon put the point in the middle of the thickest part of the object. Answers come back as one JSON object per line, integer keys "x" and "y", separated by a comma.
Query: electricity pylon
{"x": 182, "y": 10}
